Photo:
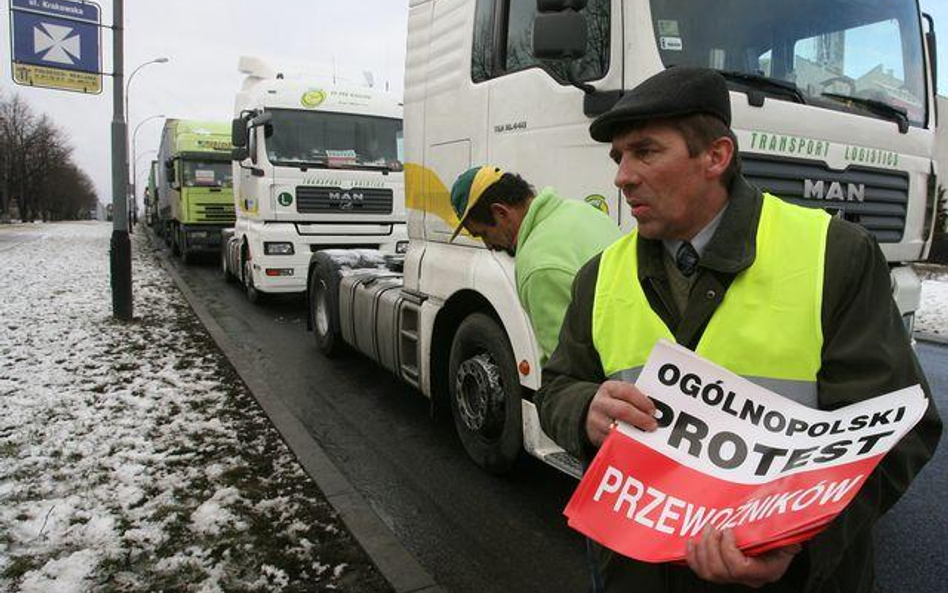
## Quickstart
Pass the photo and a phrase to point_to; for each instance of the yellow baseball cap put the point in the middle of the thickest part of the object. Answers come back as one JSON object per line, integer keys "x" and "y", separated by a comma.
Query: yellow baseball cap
{"x": 468, "y": 189}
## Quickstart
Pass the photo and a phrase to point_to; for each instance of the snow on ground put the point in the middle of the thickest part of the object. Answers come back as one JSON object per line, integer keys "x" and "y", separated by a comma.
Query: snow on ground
{"x": 132, "y": 458}
{"x": 933, "y": 313}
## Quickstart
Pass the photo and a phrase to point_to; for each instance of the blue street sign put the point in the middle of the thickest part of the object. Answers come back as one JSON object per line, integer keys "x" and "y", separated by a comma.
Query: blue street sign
{"x": 55, "y": 44}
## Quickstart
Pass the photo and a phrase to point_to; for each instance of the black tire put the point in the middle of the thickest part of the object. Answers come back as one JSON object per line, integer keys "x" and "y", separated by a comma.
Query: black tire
{"x": 173, "y": 240}
{"x": 225, "y": 272}
{"x": 253, "y": 295}
{"x": 183, "y": 252}
{"x": 484, "y": 388}
{"x": 322, "y": 294}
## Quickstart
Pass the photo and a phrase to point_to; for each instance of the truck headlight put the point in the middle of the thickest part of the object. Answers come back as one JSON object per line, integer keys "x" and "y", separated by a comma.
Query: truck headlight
{"x": 278, "y": 248}
{"x": 401, "y": 247}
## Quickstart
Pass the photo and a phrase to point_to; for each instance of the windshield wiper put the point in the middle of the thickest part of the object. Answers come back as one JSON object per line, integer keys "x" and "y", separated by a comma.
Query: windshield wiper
{"x": 761, "y": 82}
{"x": 897, "y": 114}
{"x": 364, "y": 166}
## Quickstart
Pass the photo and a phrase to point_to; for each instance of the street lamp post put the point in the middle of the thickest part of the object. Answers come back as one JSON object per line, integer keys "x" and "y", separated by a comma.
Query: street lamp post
{"x": 120, "y": 250}
{"x": 128, "y": 83}
{"x": 135, "y": 157}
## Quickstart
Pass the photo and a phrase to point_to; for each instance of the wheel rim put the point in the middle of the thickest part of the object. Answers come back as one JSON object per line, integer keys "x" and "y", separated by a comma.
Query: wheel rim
{"x": 321, "y": 310}
{"x": 479, "y": 396}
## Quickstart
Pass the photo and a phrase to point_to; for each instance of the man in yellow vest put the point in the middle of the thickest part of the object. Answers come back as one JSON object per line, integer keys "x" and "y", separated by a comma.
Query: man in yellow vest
{"x": 783, "y": 295}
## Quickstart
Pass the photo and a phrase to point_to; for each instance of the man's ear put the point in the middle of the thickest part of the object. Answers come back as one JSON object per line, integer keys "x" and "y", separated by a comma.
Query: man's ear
{"x": 499, "y": 211}
{"x": 719, "y": 157}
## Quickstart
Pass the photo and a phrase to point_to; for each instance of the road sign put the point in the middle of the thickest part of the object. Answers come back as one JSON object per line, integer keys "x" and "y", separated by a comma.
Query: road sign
{"x": 56, "y": 44}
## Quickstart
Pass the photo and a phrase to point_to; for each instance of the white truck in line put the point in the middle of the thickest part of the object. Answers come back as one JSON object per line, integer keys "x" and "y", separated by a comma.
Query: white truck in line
{"x": 833, "y": 105}
{"x": 315, "y": 166}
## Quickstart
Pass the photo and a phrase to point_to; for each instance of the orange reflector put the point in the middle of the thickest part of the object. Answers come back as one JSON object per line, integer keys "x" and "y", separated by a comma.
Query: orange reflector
{"x": 524, "y": 368}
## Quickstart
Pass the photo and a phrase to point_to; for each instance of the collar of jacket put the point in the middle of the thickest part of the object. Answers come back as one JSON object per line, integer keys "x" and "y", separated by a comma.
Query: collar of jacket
{"x": 542, "y": 205}
{"x": 732, "y": 248}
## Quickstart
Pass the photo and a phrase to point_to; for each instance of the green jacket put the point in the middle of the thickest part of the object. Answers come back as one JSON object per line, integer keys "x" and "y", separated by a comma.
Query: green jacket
{"x": 866, "y": 351}
{"x": 556, "y": 238}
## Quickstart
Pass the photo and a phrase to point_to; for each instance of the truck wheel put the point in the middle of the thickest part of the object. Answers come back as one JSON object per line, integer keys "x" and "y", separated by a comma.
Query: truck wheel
{"x": 225, "y": 271}
{"x": 253, "y": 295}
{"x": 485, "y": 394}
{"x": 323, "y": 298}
{"x": 186, "y": 256}
{"x": 173, "y": 240}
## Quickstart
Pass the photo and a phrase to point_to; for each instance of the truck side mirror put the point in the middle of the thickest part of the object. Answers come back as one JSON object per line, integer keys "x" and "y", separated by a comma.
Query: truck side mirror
{"x": 240, "y": 154}
{"x": 263, "y": 118}
{"x": 238, "y": 132}
{"x": 559, "y": 35}
{"x": 932, "y": 41}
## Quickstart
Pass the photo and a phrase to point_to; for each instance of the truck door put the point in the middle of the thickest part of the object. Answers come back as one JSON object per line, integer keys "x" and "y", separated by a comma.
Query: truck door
{"x": 536, "y": 124}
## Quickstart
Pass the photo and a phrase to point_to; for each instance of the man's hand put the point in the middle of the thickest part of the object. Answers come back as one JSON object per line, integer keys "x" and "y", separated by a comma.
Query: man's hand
{"x": 716, "y": 558}
{"x": 618, "y": 400}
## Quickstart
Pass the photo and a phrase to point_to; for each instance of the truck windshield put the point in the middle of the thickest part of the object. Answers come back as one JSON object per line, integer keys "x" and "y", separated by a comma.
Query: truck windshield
{"x": 829, "y": 49}
{"x": 207, "y": 174}
{"x": 334, "y": 140}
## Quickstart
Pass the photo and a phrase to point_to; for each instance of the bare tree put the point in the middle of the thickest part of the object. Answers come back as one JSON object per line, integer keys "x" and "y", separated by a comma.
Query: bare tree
{"x": 36, "y": 169}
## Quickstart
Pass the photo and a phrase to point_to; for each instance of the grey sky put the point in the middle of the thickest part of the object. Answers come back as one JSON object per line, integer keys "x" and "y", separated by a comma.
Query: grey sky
{"x": 204, "y": 38}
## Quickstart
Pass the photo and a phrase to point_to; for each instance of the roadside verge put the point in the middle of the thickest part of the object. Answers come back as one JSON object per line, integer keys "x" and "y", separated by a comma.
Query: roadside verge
{"x": 395, "y": 563}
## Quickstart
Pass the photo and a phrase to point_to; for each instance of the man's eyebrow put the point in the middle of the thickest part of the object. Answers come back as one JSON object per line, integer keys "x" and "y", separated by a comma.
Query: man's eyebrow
{"x": 639, "y": 143}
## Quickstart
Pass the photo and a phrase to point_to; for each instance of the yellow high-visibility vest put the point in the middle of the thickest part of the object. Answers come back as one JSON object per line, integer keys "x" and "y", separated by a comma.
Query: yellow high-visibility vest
{"x": 768, "y": 327}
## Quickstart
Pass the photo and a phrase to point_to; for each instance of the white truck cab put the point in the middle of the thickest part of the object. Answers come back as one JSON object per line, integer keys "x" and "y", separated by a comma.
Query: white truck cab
{"x": 317, "y": 165}
{"x": 833, "y": 107}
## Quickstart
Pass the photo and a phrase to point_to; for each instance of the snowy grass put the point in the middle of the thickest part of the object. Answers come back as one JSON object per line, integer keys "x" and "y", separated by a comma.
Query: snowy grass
{"x": 933, "y": 312}
{"x": 132, "y": 458}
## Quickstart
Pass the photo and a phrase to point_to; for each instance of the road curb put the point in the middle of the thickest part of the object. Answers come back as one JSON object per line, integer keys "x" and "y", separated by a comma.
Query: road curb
{"x": 931, "y": 338}
{"x": 394, "y": 561}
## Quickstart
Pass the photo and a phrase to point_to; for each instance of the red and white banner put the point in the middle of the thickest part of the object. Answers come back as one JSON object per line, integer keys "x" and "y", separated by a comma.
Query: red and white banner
{"x": 730, "y": 454}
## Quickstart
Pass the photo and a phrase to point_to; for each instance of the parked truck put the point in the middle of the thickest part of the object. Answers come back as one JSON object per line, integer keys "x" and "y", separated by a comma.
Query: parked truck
{"x": 151, "y": 196}
{"x": 195, "y": 193}
{"x": 317, "y": 165}
{"x": 833, "y": 106}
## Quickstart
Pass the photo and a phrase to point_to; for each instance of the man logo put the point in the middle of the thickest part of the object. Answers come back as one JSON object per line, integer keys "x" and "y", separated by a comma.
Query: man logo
{"x": 346, "y": 200}
{"x": 820, "y": 190}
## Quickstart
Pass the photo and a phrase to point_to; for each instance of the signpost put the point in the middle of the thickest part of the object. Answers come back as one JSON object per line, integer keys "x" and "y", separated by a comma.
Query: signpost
{"x": 56, "y": 45}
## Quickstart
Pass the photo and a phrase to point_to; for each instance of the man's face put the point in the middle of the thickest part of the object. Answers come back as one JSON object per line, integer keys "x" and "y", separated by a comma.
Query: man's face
{"x": 664, "y": 186}
{"x": 500, "y": 236}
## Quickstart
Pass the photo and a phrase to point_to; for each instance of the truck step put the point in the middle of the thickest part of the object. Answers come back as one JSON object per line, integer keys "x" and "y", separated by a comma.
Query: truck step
{"x": 565, "y": 463}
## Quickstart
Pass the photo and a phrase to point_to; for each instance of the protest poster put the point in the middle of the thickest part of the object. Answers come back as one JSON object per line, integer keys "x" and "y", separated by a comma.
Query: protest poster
{"x": 730, "y": 454}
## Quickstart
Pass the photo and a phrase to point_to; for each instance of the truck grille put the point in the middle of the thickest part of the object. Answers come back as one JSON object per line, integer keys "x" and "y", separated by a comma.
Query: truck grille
{"x": 874, "y": 198}
{"x": 315, "y": 200}
{"x": 215, "y": 212}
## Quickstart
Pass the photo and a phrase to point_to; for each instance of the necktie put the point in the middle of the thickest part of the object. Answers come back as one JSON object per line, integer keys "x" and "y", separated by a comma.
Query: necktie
{"x": 687, "y": 259}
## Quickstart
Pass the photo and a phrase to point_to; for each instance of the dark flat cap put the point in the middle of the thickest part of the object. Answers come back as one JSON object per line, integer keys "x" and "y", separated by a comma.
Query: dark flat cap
{"x": 674, "y": 92}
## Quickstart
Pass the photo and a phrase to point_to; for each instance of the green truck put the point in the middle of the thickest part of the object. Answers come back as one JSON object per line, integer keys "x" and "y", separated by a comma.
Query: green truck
{"x": 194, "y": 186}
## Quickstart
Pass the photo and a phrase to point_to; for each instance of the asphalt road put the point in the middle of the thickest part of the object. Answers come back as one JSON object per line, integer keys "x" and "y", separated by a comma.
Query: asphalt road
{"x": 475, "y": 532}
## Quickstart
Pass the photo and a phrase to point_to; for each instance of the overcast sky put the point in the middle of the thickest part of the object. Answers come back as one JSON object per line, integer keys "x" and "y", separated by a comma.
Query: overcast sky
{"x": 203, "y": 40}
